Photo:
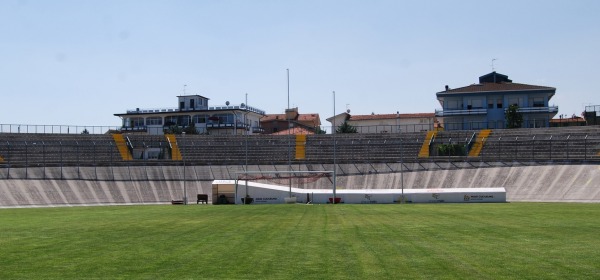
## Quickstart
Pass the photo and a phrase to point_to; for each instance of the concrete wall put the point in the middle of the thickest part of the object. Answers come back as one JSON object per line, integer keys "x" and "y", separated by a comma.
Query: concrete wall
{"x": 148, "y": 185}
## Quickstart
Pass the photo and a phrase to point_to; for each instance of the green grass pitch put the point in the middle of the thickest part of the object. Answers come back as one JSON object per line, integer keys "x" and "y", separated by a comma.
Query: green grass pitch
{"x": 425, "y": 241}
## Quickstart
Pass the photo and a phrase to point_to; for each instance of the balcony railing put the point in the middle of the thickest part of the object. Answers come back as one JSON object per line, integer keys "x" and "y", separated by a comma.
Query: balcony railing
{"x": 211, "y": 108}
{"x": 447, "y": 113}
{"x": 526, "y": 110}
{"x": 551, "y": 109}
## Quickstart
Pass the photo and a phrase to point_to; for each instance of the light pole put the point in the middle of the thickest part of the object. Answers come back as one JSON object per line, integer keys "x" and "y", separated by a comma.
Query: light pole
{"x": 246, "y": 166}
{"x": 289, "y": 134}
{"x": 401, "y": 158}
{"x": 334, "y": 151}
{"x": 185, "y": 199}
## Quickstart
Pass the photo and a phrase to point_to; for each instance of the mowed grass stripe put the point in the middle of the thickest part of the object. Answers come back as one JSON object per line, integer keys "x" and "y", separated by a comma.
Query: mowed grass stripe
{"x": 441, "y": 241}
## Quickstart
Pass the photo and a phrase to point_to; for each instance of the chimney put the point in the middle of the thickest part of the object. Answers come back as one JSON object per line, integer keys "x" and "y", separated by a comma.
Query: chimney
{"x": 447, "y": 88}
{"x": 291, "y": 114}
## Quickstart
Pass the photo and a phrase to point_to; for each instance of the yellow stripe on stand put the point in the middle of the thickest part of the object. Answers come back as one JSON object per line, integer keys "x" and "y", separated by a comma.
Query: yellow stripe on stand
{"x": 175, "y": 152}
{"x": 479, "y": 141}
{"x": 300, "y": 146}
{"x": 122, "y": 146}
{"x": 424, "y": 152}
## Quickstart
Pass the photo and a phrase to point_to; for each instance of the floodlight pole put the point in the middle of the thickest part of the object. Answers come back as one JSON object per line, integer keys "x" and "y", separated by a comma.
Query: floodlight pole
{"x": 334, "y": 151}
{"x": 185, "y": 200}
{"x": 401, "y": 162}
{"x": 289, "y": 134}
{"x": 246, "y": 166}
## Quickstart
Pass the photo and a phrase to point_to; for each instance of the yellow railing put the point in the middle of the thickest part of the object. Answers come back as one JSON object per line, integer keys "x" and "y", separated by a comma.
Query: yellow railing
{"x": 424, "y": 152}
{"x": 175, "y": 152}
{"x": 122, "y": 146}
{"x": 479, "y": 141}
{"x": 300, "y": 146}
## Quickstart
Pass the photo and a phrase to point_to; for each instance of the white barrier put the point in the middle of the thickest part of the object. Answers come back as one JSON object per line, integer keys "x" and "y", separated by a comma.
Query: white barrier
{"x": 259, "y": 193}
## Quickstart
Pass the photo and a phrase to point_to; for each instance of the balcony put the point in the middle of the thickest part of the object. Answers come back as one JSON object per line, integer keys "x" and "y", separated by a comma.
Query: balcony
{"x": 530, "y": 110}
{"x": 451, "y": 113}
{"x": 211, "y": 108}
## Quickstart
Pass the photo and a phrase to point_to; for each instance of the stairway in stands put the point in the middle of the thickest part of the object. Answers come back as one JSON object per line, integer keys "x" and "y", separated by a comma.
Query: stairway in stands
{"x": 175, "y": 152}
{"x": 122, "y": 146}
{"x": 300, "y": 146}
{"x": 479, "y": 141}
{"x": 424, "y": 152}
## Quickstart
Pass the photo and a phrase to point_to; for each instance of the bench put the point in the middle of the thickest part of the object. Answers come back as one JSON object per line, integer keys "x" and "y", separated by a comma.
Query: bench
{"x": 202, "y": 198}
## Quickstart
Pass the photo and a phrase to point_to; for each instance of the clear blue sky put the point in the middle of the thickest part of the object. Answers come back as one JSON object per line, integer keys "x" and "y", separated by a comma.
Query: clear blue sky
{"x": 79, "y": 62}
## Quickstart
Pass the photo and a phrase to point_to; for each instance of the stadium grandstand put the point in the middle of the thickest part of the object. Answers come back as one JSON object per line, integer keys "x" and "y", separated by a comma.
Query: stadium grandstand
{"x": 542, "y": 164}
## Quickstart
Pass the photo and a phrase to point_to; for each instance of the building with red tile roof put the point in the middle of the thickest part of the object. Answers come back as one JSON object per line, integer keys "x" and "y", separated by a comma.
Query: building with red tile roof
{"x": 483, "y": 105}
{"x": 386, "y": 123}
{"x": 276, "y": 123}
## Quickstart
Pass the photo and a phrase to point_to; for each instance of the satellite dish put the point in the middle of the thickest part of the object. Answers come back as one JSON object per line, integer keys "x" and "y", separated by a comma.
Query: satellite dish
{"x": 243, "y": 105}
{"x": 227, "y": 103}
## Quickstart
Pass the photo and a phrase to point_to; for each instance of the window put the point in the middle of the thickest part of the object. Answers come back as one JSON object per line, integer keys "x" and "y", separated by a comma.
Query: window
{"x": 154, "y": 121}
{"x": 200, "y": 118}
{"x": 538, "y": 102}
{"x": 499, "y": 103}
{"x": 192, "y": 105}
{"x": 222, "y": 118}
{"x": 181, "y": 105}
{"x": 452, "y": 104}
{"x": 184, "y": 120}
{"x": 170, "y": 120}
{"x": 137, "y": 122}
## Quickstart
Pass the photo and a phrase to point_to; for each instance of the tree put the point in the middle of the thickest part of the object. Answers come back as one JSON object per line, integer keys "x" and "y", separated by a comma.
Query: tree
{"x": 514, "y": 119}
{"x": 85, "y": 131}
{"x": 191, "y": 129}
{"x": 318, "y": 130}
{"x": 173, "y": 129}
{"x": 346, "y": 128}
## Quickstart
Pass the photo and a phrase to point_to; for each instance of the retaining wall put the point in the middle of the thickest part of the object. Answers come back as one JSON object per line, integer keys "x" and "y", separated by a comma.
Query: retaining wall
{"x": 150, "y": 185}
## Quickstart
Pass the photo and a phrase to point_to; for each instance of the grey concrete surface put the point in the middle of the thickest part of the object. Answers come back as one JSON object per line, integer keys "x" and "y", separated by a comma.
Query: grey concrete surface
{"x": 155, "y": 184}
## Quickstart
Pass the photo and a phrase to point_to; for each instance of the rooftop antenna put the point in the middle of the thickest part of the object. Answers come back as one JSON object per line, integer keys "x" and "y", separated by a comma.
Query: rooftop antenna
{"x": 184, "y": 89}
{"x": 493, "y": 69}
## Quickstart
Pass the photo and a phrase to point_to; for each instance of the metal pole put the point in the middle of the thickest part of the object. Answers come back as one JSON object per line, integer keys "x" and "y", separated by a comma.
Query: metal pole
{"x": 185, "y": 200}
{"x": 334, "y": 151}
{"x": 246, "y": 166}
{"x": 289, "y": 135}
{"x": 401, "y": 161}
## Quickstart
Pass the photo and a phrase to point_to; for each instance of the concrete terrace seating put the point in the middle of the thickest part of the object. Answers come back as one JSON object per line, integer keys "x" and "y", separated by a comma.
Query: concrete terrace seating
{"x": 56, "y": 149}
{"x": 540, "y": 144}
{"x": 569, "y": 143}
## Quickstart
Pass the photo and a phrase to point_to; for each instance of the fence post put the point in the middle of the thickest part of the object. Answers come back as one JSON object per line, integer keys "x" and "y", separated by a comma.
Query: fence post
{"x": 61, "y": 159}
{"x": 26, "y": 161}
{"x": 44, "y": 159}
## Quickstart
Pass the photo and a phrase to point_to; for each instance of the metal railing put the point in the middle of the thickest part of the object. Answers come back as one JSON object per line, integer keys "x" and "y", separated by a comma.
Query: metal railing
{"x": 57, "y": 129}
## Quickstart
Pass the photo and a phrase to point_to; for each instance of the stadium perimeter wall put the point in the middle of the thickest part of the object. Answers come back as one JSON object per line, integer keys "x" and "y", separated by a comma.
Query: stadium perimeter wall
{"x": 70, "y": 186}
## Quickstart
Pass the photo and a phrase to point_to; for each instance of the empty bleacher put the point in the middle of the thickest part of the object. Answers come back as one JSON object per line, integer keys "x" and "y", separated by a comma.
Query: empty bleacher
{"x": 540, "y": 144}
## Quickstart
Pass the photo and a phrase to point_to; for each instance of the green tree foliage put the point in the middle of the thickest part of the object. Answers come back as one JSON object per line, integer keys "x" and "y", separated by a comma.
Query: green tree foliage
{"x": 514, "y": 119}
{"x": 173, "y": 129}
{"x": 190, "y": 129}
{"x": 85, "y": 131}
{"x": 451, "y": 150}
{"x": 318, "y": 130}
{"x": 346, "y": 128}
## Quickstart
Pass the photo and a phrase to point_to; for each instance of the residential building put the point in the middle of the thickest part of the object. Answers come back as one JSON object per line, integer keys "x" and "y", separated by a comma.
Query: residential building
{"x": 484, "y": 105}
{"x": 592, "y": 115}
{"x": 298, "y": 123}
{"x": 194, "y": 110}
{"x": 387, "y": 123}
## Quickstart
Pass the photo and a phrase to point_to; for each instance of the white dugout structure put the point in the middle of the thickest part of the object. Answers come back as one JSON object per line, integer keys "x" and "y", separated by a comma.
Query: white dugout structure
{"x": 249, "y": 192}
